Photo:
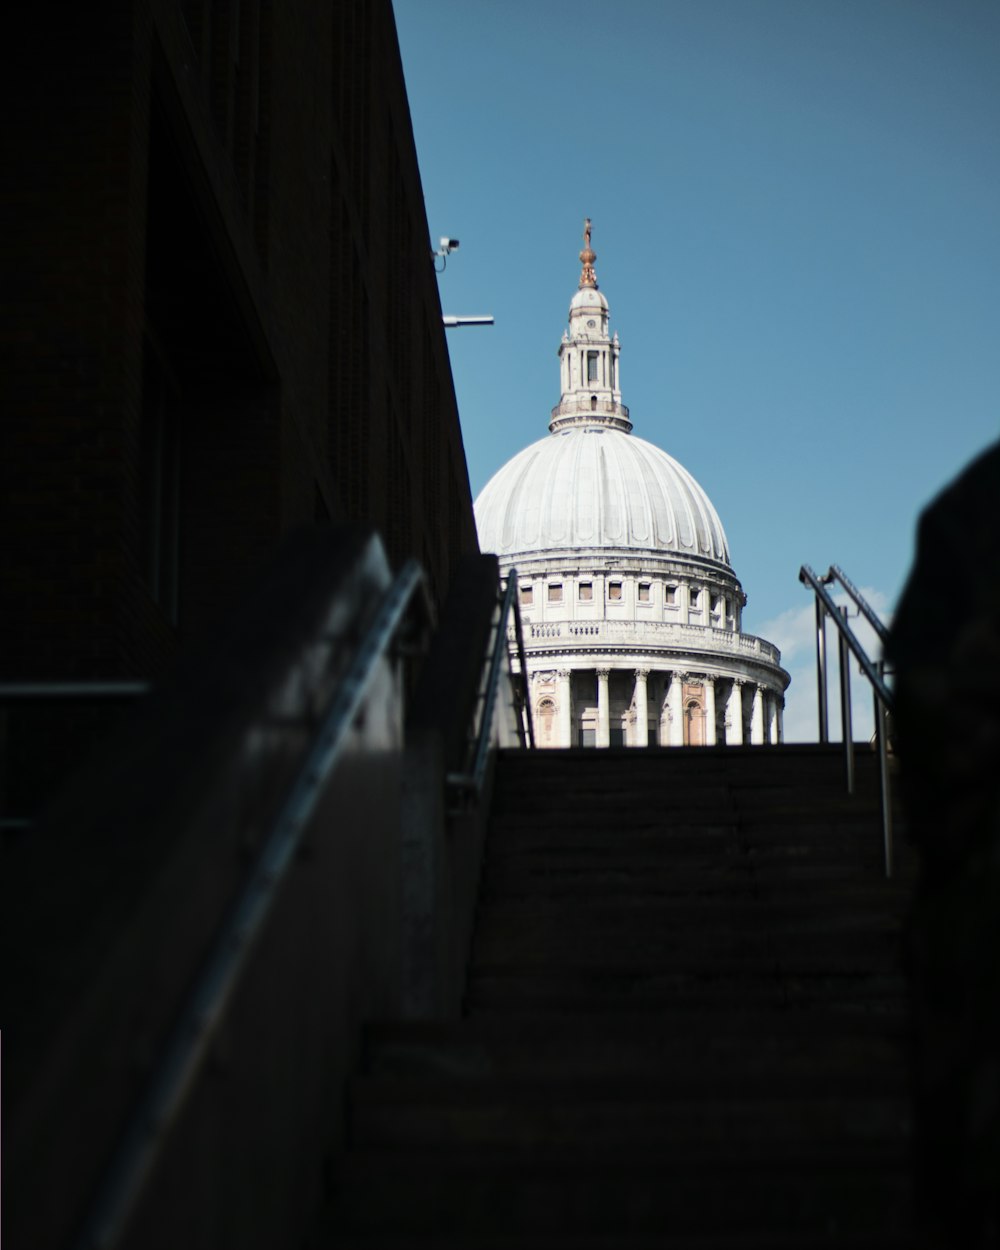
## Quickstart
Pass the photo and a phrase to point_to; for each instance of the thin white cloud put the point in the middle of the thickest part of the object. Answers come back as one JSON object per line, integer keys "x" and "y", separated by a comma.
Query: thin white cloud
{"x": 794, "y": 633}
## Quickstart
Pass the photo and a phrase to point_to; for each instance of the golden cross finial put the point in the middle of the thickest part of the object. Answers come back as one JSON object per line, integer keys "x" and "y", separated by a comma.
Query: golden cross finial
{"x": 587, "y": 257}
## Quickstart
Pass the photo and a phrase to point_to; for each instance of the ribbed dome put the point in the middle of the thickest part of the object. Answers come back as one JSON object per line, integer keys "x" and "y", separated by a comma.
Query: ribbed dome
{"x": 597, "y": 487}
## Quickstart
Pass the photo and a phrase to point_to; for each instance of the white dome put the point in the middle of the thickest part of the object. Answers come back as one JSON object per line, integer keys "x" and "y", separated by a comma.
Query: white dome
{"x": 594, "y": 486}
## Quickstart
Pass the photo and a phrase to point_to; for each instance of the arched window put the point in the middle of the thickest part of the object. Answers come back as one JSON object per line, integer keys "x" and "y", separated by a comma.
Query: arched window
{"x": 694, "y": 724}
{"x": 545, "y": 721}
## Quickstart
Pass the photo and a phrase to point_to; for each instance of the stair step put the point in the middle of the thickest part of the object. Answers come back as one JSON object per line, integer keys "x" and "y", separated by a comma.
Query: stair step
{"x": 440, "y": 1193}
{"x": 751, "y": 1031}
{"x": 738, "y": 1240}
{"x": 671, "y": 1072}
{"x": 617, "y": 989}
{"x": 749, "y": 876}
{"x": 684, "y": 1028}
{"x": 620, "y": 1114}
{"x": 514, "y": 834}
{"x": 571, "y": 989}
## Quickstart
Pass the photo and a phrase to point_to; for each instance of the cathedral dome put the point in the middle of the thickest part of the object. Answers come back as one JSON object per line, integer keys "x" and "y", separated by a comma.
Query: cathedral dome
{"x": 631, "y": 612}
{"x": 595, "y": 486}
{"x": 591, "y": 484}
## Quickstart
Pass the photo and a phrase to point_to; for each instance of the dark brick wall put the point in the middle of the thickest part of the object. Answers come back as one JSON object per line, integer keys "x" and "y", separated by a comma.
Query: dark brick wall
{"x": 219, "y": 318}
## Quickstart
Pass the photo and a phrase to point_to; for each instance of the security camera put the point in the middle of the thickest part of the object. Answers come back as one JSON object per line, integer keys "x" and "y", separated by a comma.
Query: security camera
{"x": 448, "y": 245}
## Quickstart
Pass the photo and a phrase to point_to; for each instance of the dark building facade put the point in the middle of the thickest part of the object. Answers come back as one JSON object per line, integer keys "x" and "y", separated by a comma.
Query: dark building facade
{"x": 220, "y": 319}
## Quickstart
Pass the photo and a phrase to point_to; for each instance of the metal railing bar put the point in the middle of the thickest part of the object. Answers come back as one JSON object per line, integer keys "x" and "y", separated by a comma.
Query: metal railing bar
{"x": 882, "y": 743}
{"x": 846, "y": 720}
{"x": 807, "y": 576}
{"x": 824, "y": 717}
{"x": 500, "y": 653}
{"x": 472, "y": 780}
{"x": 523, "y": 664}
{"x": 881, "y": 694}
{"x": 201, "y": 1015}
{"x": 836, "y": 573}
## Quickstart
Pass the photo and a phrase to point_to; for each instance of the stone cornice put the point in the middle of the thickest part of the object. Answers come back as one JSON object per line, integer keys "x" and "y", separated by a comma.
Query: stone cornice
{"x": 624, "y": 561}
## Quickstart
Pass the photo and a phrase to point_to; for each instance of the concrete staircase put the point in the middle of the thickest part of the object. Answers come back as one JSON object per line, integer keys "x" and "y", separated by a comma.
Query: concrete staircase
{"x": 684, "y": 1021}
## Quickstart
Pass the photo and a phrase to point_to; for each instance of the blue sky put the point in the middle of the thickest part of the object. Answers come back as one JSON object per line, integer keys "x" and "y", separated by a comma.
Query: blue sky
{"x": 796, "y": 208}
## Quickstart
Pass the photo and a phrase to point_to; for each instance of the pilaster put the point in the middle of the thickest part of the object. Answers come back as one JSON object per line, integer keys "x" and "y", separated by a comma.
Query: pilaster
{"x": 641, "y": 702}
{"x": 757, "y": 718}
{"x": 734, "y": 714}
{"x": 564, "y": 707}
{"x": 603, "y": 709}
{"x": 674, "y": 703}
{"x": 710, "y": 735}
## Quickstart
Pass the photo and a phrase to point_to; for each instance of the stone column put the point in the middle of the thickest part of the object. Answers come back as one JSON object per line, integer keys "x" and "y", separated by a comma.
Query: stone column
{"x": 675, "y": 702}
{"x": 734, "y": 715}
{"x": 710, "y": 711}
{"x": 603, "y": 709}
{"x": 641, "y": 709}
{"x": 780, "y": 701}
{"x": 757, "y": 718}
{"x": 772, "y": 719}
{"x": 565, "y": 709}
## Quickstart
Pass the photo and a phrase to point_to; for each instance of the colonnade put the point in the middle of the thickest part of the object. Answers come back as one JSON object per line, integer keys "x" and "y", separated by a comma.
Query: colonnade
{"x": 687, "y": 712}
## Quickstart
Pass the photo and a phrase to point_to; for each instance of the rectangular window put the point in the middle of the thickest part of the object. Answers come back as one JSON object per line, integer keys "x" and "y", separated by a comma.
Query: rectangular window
{"x": 614, "y": 590}
{"x": 693, "y": 594}
{"x": 669, "y": 594}
{"x": 591, "y": 366}
{"x": 588, "y": 737}
{"x": 527, "y": 595}
{"x": 555, "y": 592}
{"x": 716, "y": 603}
{"x": 586, "y": 592}
{"x": 644, "y": 592}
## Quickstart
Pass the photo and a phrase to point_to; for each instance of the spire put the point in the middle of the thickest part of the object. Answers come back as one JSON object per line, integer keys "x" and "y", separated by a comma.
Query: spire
{"x": 588, "y": 359}
{"x": 587, "y": 258}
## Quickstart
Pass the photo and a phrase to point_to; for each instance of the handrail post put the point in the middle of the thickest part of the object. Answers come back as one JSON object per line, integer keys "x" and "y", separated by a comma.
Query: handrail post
{"x": 527, "y": 717}
{"x": 885, "y": 795}
{"x": 824, "y": 722}
{"x": 875, "y": 673}
{"x": 846, "y": 719}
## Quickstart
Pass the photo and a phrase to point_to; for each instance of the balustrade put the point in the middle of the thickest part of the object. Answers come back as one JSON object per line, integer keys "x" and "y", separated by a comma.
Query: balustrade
{"x": 583, "y": 634}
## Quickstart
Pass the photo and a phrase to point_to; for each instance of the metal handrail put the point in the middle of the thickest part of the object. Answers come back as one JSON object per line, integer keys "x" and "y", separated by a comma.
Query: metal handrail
{"x": 472, "y": 781}
{"x": 836, "y": 574}
{"x": 883, "y": 701}
{"x": 202, "y": 1013}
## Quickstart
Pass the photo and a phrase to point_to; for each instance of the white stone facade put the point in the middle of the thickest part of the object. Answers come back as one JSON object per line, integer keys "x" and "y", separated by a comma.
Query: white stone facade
{"x": 631, "y": 609}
